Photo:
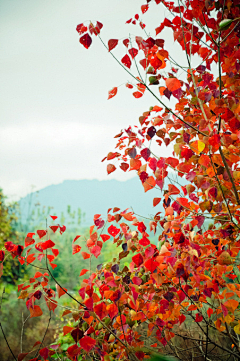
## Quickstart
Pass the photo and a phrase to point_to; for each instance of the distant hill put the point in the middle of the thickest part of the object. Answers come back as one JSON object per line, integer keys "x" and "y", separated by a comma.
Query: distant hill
{"x": 91, "y": 196}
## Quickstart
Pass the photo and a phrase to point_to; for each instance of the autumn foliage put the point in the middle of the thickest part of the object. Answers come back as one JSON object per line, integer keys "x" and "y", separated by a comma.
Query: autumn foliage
{"x": 179, "y": 294}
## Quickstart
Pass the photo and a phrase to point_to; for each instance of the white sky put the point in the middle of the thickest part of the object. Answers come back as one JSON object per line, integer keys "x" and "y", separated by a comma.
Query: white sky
{"x": 56, "y": 122}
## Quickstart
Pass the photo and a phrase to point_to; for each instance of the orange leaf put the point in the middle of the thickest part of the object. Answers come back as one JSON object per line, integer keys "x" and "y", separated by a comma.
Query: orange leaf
{"x": 149, "y": 184}
{"x": 110, "y": 168}
{"x": 161, "y": 90}
{"x": 67, "y": 329}
{"x": 135, "y": 164}
{"x": 66, "y": 312}
{"x": 192, "y": 308}
{"x": 156, "y": 201}
{"x": 35, "y": 311}
{"x": 127, "y": 216}
{"x": 173, "y": 190}
{"x": 112, "y": 93}
{"x": 60, "y": 291}
{"x": 173, "y": 84}
{"x": 85, "y": 255}
{"x": 83, "y": 271}
{"x": 233, "y": 304}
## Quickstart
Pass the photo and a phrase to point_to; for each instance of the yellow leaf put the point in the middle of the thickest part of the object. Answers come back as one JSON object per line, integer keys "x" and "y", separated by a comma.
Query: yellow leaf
{"x": 176, "y": 148}
{"x": 197, "y": 146}
{"x": 237, "y": 329}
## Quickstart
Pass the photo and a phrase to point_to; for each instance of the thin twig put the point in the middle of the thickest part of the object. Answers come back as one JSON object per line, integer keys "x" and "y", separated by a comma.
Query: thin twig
{"x": 3, "y": 330}
{"x": 23, "y": 323}
{"x": 49, "y": 320}
{"x": 229, "y": 175}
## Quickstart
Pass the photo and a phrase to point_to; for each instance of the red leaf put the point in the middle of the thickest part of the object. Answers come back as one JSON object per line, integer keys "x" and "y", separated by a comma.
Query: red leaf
{"x": 53, "y": 217}
{"x": 144, "y": 8}
{"x": 41, "y": 233}
{"x": 48, "y": 244}
{"x": 172, "y": 161}
{"x": 30, "y": 258}
{"x": 62, "y": 229}
{"x": 94, "y": 29}
{"x": 87, "y": 343}
{"x": 137, "y": 95}
{"x": 86, "y": 255}
{"x": 81, "y": 28}
{"x": 29, "y": 241}
{"x": 30, "y": 234}
{"x": 21, "y": 260}
{"x": 73, "y": 351}
{"x": 76, "y": 238}
{"x": 144, "y": 242}
{"x": 67, "y": 329}
{"x": 199, "y": 317}
{"x": 60, "y": 291}
{"x": 133, "y": 52}
{"x": 110, "y": 168}
{"x": 86, "y": 40}
{"x": 113, "y": 231}
{"x": 76, "y": 248}
{"x": 126, "y": 61}
{"x": 151, "y": 265}
{"x": 209, "y": 312}
{"x": 215, "y": 140}
{"x": 54, "y": 228}
{"x": 137, "y": 259}
{"x": 83, "y": 271}
{"x": 104, "y": 237}
{"x": 96, "y": 250}
{"x": 100, "y": 310}
{"x": 112, "y": 93}
{"x": 55, "y": 251}
{"x": 124, "y": 166}
{"x": 21, "y": 356}
{"x": 2, "y": 255}
{"x": 99, "y": 25}
{"x": 35, "y": 311}
{"x": 156, "y": 201}
{"x": 44, "y": 352}
{"x": 112, "y": 310}
{"x": 126, "y": 42}
{"x": 130, "y": 86}
{"x": 112, "y": 43}
{"x": 38, "y": 274}
{"x": 141, "y": 227}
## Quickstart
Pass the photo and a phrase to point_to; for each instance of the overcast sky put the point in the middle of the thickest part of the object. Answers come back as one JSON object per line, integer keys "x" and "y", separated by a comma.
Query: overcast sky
{"x": 56, "y": 122}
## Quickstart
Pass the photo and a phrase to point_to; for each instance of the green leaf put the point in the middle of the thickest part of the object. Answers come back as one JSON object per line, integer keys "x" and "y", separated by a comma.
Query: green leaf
{"x": 153, "y": 80}
{"x": 225, "y": 24}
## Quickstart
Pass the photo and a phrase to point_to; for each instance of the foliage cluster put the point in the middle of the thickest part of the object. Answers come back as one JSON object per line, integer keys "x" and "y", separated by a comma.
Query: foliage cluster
{"x": 179, "y": 295}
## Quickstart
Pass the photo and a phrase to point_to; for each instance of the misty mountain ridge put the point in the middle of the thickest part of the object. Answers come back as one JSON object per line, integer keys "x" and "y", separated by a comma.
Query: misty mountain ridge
{"x": 91, "y": 197}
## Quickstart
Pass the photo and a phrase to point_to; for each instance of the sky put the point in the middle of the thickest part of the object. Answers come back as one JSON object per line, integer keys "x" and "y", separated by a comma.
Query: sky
{"x": 56, "y": 122}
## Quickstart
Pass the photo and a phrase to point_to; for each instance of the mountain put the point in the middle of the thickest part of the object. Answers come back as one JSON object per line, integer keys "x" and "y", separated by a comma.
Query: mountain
{"x": 91, "y": 196}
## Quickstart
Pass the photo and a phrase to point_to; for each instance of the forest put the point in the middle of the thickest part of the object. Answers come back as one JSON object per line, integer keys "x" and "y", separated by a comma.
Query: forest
{"x": 134, "y": 286}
